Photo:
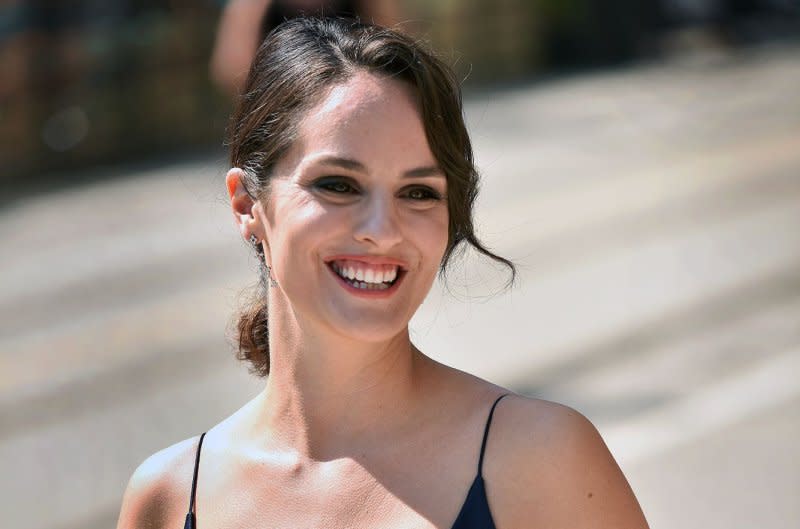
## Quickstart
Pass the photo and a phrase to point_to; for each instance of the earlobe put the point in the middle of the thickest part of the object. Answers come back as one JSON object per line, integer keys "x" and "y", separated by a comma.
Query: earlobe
{"x": 258, "y": 216}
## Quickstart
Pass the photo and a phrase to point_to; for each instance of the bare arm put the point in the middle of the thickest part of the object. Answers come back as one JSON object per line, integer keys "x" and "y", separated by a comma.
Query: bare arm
{"x": 144, "y": 503}
{"x": 559, "y": 474}
{"x": 157, "y": 495}
{"x": 238, "y": 37}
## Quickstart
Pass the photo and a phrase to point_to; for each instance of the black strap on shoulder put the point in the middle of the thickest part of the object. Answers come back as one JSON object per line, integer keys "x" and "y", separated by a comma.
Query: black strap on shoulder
{"x": 190, "y": 519}
{"x": 486, "y": 433}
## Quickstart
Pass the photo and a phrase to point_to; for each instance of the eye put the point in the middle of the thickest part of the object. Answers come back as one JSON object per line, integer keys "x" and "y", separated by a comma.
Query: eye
{"x": 336, "y": 185}
{"x": 422, "y": 193}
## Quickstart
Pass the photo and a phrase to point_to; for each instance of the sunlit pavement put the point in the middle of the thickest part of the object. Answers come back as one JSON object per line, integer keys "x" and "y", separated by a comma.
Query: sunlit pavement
{"x": 654, "y": 214}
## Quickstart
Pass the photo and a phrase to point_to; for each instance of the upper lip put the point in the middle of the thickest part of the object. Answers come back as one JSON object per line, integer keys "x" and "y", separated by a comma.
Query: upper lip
{"x": 369, "y": 259}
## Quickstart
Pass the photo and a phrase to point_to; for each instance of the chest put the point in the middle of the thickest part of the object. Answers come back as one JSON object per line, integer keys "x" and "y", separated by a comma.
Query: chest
{"x": 375, "y": 517}
{"x": 361, "y": 500}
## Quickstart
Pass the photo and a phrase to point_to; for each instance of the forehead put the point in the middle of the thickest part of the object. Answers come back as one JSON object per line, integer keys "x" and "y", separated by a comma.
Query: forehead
{"x": 366, "y": 116}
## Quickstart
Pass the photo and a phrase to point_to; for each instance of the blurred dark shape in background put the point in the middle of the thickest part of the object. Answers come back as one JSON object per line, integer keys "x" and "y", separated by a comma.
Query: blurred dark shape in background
{"x": 91, "y": 82}
{"x": 245, "y": 23}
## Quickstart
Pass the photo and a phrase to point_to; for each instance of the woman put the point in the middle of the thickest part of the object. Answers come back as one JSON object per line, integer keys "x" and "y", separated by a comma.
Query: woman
{"x": 353, "y": 178}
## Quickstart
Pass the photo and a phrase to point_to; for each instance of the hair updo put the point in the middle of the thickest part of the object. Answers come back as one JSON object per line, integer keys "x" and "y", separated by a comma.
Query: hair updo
{"x": 292, "y": 69}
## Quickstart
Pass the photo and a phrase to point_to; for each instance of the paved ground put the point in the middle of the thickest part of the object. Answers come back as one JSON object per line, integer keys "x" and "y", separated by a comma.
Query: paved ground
{"x": 655, "y": 216}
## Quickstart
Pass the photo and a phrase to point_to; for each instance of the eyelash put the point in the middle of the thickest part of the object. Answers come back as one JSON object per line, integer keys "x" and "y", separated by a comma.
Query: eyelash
{"x": 328, "y": 183}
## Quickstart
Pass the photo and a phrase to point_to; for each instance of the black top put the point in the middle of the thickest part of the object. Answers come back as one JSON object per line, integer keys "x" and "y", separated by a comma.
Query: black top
{"x": 279, "y": 11}
{"x": 474, "y": 514}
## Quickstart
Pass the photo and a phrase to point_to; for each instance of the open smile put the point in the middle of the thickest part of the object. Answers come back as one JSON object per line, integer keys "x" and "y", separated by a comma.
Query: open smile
{"x": 367, "y": 280}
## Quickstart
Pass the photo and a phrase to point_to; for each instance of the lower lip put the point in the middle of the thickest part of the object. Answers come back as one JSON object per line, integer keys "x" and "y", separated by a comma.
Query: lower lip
{"x": 363, "y": 292}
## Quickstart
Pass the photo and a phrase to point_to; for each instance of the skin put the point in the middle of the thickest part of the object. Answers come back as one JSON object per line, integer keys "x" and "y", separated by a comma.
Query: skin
{"x": 356, "y": 427}
{"x": 239, "y": 32}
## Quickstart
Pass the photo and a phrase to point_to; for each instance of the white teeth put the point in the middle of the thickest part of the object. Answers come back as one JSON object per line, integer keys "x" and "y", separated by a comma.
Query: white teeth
{"x": 368, "y": 277}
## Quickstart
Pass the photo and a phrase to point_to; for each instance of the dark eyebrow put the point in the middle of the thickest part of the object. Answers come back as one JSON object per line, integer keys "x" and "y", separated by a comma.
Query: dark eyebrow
{"x": 344, "y": 163}
{"x": 353, "y": 165}
{"x": 422, "y": 172}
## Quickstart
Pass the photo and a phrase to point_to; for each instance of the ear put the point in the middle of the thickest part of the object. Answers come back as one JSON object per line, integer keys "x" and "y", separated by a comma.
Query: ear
{"x": 242, "y": 205}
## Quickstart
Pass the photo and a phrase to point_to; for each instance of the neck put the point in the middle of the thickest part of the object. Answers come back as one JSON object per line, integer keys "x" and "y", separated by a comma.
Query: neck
{"x": 327, "y": 395}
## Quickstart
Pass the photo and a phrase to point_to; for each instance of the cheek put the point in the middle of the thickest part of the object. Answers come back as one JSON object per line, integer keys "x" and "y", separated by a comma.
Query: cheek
{"x": 305, "y": 228}
{"x": 431, "y": 231}
{"x": 442, "y": 230}
{"x": 297, "y": 225}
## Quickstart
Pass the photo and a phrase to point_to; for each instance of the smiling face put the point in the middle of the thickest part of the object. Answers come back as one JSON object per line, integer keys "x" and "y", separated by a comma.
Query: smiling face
{"x": 358, "y": 195}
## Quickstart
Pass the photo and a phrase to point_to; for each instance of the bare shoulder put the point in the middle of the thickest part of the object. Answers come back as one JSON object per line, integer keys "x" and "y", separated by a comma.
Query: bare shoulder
{"x": 158, "y": 491}
{"x": 547, "y": 466}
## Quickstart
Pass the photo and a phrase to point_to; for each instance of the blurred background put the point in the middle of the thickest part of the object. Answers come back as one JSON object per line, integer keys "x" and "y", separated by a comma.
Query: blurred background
{"x": 641, "y": 165}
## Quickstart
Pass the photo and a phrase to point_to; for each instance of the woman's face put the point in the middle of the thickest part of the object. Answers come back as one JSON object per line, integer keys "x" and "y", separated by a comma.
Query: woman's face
{"x": 359, "y": 194}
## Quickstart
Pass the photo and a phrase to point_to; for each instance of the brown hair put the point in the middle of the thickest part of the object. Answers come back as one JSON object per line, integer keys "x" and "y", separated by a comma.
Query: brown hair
{"x": 295, "y": 64}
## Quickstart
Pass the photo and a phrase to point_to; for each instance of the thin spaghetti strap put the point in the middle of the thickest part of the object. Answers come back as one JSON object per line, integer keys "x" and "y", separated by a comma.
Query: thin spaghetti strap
{"x": 486, "y": 433}
{"x": 190, "y": 519}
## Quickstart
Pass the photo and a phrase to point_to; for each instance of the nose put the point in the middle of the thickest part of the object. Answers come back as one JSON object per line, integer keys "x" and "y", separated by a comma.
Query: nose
{"x": 378, "y": 223}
